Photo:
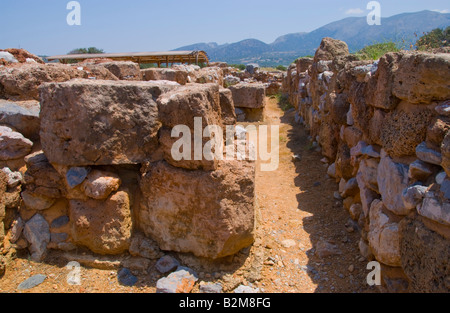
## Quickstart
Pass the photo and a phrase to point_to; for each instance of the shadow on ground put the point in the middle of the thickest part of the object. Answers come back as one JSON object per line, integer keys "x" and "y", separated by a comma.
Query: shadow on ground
{"x": 334, "y": 262}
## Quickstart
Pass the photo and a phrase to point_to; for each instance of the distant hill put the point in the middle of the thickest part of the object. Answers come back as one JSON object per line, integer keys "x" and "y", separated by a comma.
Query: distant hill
{"x": 353, "y": 30}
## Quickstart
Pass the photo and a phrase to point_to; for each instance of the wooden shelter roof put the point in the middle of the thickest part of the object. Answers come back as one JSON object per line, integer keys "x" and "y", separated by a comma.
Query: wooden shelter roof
{"x": 141, "y": 57}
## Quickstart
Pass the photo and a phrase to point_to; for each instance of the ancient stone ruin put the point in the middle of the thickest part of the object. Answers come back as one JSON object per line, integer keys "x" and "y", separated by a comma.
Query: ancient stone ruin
{"x": 383, "y": 128}
{"x": 87, "y": 163}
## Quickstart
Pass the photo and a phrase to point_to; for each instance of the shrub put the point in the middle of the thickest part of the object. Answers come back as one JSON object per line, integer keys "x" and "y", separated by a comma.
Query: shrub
{"x": 437, "y": 38}
{"x": 281, "y": 68}
{"x": 376, "y": 51}
{"x": 238, "y": 66}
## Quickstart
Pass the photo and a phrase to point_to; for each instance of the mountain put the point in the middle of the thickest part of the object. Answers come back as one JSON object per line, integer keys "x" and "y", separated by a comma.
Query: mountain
{"x": 355, "y": 31}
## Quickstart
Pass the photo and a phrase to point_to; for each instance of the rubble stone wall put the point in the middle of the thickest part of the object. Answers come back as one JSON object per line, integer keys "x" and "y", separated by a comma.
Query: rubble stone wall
{"x": 85, "y": 162}
{"x": 384, "y": 128}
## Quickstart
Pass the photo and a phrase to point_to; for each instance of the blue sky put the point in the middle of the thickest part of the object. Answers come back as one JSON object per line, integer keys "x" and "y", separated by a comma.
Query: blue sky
{"x": 155, "y": 25}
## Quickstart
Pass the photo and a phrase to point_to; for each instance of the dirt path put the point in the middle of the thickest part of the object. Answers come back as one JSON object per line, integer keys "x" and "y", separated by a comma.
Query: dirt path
{"x": 297, "y": 210}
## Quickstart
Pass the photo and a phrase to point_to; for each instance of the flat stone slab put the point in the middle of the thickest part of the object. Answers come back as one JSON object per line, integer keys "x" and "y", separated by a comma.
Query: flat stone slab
{"x": 32, "y": 282}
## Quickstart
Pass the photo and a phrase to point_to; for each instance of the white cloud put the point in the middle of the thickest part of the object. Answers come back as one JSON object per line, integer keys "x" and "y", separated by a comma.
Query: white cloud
{"x": 354, "y": 11}
{"x": 442, "y": 11}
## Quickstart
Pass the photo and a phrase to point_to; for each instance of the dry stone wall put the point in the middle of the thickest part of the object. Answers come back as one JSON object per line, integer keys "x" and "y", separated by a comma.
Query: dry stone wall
{"x": 85, "y": 159}
{"x": 384, "y": 128}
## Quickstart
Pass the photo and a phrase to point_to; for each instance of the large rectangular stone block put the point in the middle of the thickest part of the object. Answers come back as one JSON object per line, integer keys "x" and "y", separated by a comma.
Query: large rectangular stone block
{"x": 86, "y": 122}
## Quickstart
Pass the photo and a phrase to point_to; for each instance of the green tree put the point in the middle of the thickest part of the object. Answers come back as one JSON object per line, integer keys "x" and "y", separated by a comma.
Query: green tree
{"x": 281, "y": 68}
{"x": 437, "y": 38}
{"x": 90, "y": 50}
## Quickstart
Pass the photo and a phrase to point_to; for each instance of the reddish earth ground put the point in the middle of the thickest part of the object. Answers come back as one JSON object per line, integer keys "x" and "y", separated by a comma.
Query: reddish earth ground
{"x": 297, "y": 209}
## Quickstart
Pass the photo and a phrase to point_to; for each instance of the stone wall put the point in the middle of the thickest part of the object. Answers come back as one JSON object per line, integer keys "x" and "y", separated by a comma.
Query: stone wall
{"x": 89, "y": 165}
{"x": 384, "y": 128}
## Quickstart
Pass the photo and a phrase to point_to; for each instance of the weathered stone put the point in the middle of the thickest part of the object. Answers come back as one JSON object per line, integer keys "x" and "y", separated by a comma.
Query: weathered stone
{"x": 331, "y": 171}
{"x": 420, "y": 170}
{"x": 58, "y": 237}
{"x": 168, "y": 143}
{"x": 339, "y": 109}
{"x": 124, "y": 70}
{"x": 289, "y": 243}
{"x": 367, "y": 197}
{"x": 103, "y": 227}
{"x": 328, "y": 135}
{"x": 365, "y": 250}
{"x": 211, "y": 288}
{"x": 375, "y": 128}
{"x": 362, "y": 113}
{"x": 330, "y": 49}
{"x": 16, "y": 230}
{"x": 98, "y": 72}
{"x": 32, "y": 282}
{"x": 176, "y": 75}
{"x": 344, "y": 167}
{"x": 352, "y": 136}
{"x": 37, "y": 233}
{"x": 167, "y": 264}
{"x": 99, "y": 185}
{"x": 435, "y": 209}
{"x": 36, "y": 202}
{"x": 437, "y": 130}
{"x": 126, "y": 278}
{"x": 355, "y": 211}
{"x": 22, "y": 116}
{"x": 422, "y": 78}
{"x": 412, "y": 196}
{"x": 350, "y": 188}
{"x": 180, "y": 281}
{"x": 428, "y": 155}
{"x": 227, "y": 107}
{"x": 41, "y": 177}
{"x": 379, "y": 87}
{"x": 231, "y": 80}
{"x": 13, "y": 145}
{"x": 21, "y": 83}
{"x": 250, "y": 96}
{"x": 440, "y": 177}
{"x": 402, "y": 131}
{"x": 367, "y": 174}
{"x": 424, "y": 256}
{"x": 384, "y": 238}
{"x": 246, "y": 289}
{"x": 325, "y": 249}
{"x": 392, "y": 180}
{"x": 120, "y": 122}
{"x": 445, "y": 150}
{"x": 209, "y": 75}
{"x": 144, "y": 247}
{"x": 76, "y": 175}
{"x": 273, "y": 88}
{"x": 14, "y": 178}
{"x": 210, "y": 214}
{"x": 183, "y": 105}
{"x": 363, "y": 149}
{"x": 137, "y": 264}
{"x": 240, "y": 115}
{"x": 60, "y": 222}
{"x": 445, "y": 188}
{"x": 443, "y": 109}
